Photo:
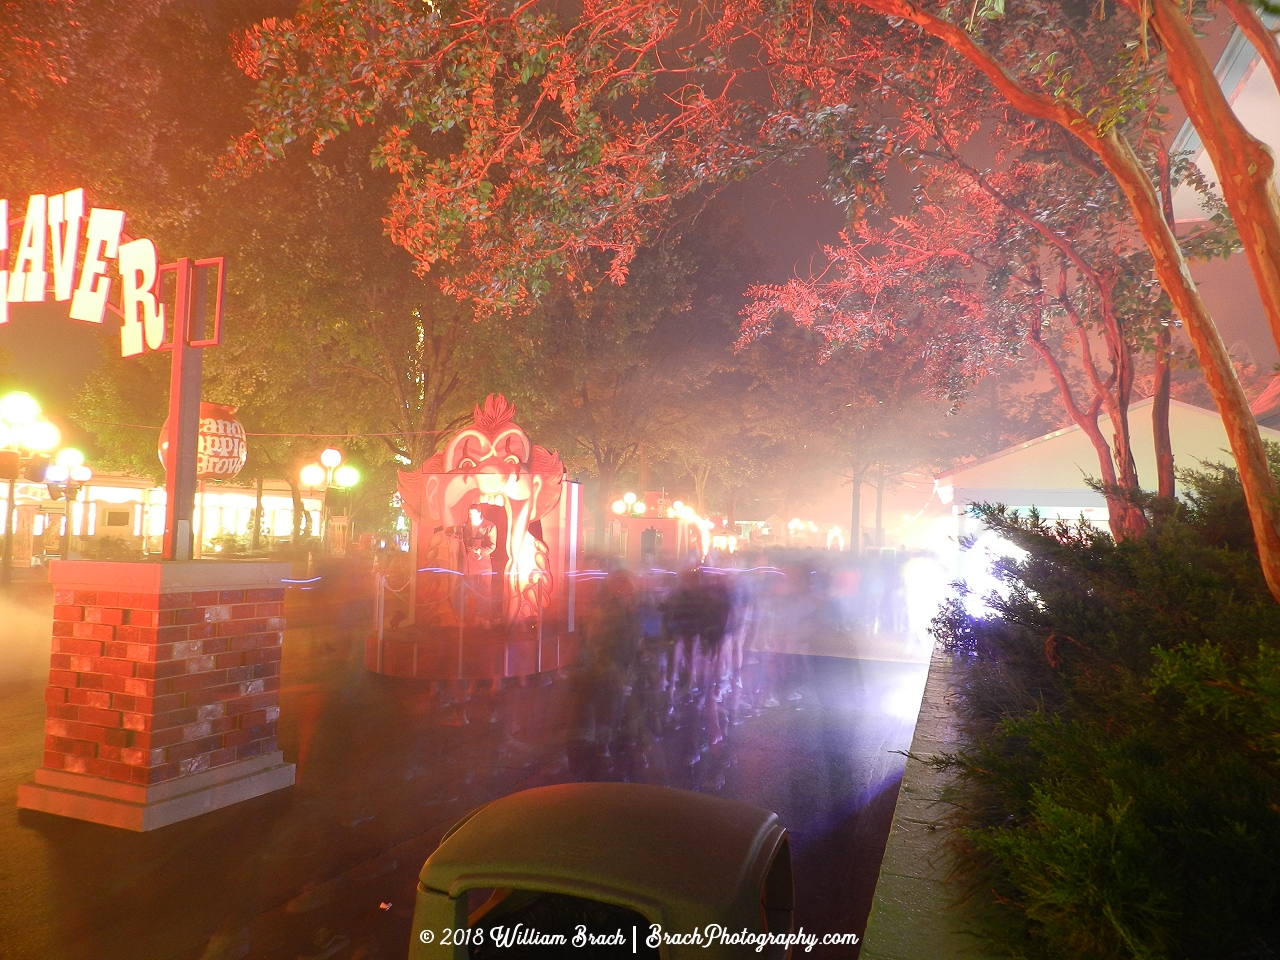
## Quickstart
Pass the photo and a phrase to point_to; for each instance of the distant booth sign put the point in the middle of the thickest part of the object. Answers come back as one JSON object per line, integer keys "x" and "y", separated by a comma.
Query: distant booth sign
{"x": 495, "y": 541}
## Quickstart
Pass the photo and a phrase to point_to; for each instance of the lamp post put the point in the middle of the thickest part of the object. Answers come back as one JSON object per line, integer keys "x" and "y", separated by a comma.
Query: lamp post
{"x": 629, "y": 505}
{"x": 329, "y": 472}
{"x": 64, "y": 478}
{"x": 25, "y": 438}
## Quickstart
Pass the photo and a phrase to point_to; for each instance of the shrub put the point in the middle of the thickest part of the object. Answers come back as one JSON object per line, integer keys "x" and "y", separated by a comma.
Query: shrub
{"x": 227, "y": 545}
{"x": 1121, "y": 778}
{"x": 108, "y": 548}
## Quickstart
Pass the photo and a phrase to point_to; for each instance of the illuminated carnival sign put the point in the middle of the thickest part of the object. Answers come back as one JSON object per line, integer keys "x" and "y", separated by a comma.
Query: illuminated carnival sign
{"x": 62, "y": 241}
{"x": 68, "y": 249}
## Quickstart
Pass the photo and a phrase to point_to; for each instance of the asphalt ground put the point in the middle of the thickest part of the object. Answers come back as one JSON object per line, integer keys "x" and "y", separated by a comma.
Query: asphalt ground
{"x": 327, "y": 868}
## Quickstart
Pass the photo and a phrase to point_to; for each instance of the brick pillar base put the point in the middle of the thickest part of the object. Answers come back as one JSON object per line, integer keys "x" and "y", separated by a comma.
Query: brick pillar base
{"x": 164, "y": 691}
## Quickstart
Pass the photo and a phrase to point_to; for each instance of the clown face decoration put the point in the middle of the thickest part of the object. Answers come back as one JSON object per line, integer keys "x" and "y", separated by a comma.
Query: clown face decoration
{"x": 493, "y": 467}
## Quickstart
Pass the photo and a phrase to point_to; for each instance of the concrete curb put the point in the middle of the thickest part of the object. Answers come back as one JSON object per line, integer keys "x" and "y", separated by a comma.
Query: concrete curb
{"x": 914, "y": 915}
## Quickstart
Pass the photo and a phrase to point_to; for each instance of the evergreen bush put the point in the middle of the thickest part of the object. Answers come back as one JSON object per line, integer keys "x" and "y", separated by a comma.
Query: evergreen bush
{"x": 1120, "y": 784}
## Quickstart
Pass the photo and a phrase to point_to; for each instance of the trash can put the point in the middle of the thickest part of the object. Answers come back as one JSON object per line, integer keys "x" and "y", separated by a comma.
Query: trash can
{"x": 711, "y": 876}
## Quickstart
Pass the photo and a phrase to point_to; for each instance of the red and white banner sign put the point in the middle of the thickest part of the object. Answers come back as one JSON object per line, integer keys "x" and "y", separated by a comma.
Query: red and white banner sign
{"x": 223, "y": 449}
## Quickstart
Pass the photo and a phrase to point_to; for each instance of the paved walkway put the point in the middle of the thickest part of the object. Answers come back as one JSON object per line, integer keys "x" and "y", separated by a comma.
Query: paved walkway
{"x": 386, "y": 766}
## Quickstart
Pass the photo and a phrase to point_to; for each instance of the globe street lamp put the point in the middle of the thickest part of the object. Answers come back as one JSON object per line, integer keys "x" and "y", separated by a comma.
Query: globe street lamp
{"x": 629, "y": 505}
{"x": 64, "y": 478}
{"x": 25, "y": 439}
{"x": 329, "y": 472}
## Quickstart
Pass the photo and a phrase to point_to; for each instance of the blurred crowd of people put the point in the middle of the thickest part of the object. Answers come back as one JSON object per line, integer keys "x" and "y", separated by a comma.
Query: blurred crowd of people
{"x": 666, "y": 651}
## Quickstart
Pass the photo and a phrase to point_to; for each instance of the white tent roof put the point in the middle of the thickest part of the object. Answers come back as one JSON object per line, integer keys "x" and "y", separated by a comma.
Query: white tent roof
{"x": 1252, "y": 93}
{"x": 1050, "y": 471}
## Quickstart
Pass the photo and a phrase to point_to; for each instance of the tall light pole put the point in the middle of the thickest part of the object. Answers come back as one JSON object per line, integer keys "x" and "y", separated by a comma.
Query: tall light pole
{"x": 24, "y": 437}
{"x": 64, "y": 478}
{"x": 329, "y": 472}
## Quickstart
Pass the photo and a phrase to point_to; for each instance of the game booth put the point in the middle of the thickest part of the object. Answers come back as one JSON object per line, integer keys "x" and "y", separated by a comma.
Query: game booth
{"x": 491, "y": 584}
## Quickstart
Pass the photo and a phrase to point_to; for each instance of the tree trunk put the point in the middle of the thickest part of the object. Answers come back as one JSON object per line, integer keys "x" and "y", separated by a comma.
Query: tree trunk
{"x": 1116, "y": 404}
{"x": 1087, "y": 421}
{"x": 701, "y": 477}
{"x": 1163, "y": 380}
{"x": 1160, "y": 419}
{"x": 643, "y": 481}
{"x": 855, "y": 528}
{"x": 257, "y": 519}
{"x": 1171, "y": 267}
{"x": 880, "y": 509}
{"x": 1121, "y": 445}
{"x": 300, "y": 517}
{"x": 1243, "y": 163}
{"x": 603, "y": 515}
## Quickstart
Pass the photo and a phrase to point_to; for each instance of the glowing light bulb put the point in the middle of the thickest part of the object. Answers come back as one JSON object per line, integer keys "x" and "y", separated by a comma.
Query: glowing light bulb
{"x": 639, "y": 507}
{"x": 18, "y": 408}
{"x": 678, "y": 506}
{"x": 347, "y": 476}
{"x": 619, "y": 507}
{"x": 331, "y": 457}
{"x": 81, "y": 474}
{"x": 70, "y": 457}
{"x": 39, "y": 435}
{"x": 628, "y": 498}
{"x": 312, "y": 475}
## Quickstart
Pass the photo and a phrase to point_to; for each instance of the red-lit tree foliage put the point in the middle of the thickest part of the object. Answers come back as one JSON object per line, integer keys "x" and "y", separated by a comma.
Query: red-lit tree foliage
{"x": 1092, "y": 77}
{"x": 1096, "y": 75}
{"x": 1037, "y": 255}
{"x": 74, "y": 75}
{"x": 33, "y": 47}
{"x": 525, "y": 141}
{"x": 516, "y": 135}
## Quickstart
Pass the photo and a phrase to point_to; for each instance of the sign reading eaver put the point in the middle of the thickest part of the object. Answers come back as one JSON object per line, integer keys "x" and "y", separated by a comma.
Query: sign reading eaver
{"x": 59, "y": 240}
{"x": 50, "y": 243}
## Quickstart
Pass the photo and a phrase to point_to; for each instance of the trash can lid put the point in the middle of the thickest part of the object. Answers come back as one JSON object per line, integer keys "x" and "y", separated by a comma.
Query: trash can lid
{"x": 688, "y": 853}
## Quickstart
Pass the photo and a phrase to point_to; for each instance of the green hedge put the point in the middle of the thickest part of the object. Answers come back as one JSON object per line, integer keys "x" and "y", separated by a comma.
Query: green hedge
{"x": 1120, "y": 794}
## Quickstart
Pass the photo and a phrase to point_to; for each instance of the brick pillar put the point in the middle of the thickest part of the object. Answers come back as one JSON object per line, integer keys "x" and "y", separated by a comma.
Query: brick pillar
{"x": 164, "y": 691}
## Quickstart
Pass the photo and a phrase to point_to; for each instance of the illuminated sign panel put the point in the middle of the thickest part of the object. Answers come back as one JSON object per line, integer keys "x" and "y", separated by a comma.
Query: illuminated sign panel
{"x": 51, "y": 238}
{"x": 223, "y": 449}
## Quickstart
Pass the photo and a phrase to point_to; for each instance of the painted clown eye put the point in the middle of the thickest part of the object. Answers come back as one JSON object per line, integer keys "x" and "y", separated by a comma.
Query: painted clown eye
{"x": 513, "y": 460}
{"x": 466, "y": 463}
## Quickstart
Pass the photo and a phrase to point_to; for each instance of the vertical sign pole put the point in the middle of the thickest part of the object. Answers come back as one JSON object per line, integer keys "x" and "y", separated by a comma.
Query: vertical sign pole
{"x": 184, "y": 415}
{"x": 10, "y": 512}
{"x": 69, "y": 494}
